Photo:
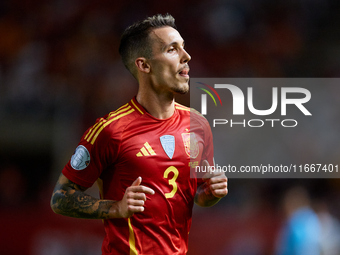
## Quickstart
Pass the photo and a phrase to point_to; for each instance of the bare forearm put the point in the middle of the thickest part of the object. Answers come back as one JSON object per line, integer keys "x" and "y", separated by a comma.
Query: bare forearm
{"x": 69, "y": 199}
{"x": 204, "y": 197}
{"x": 76, "y": 204}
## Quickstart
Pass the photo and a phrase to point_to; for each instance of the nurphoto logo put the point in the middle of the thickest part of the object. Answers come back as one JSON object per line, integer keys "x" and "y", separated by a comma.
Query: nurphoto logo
{"x": 281, "y": 97}
{"x": 269, "y": 127}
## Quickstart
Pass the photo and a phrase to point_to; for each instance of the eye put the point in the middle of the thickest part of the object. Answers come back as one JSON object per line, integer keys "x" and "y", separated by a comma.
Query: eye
{"x": 172, "y": 49}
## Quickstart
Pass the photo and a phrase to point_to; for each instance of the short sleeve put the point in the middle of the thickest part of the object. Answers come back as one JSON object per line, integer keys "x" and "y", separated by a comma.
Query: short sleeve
{"x": 92, "y": 157}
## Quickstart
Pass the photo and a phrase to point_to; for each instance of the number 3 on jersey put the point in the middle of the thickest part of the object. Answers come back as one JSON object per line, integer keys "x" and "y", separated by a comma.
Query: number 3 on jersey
{"x": 172, "y": 181}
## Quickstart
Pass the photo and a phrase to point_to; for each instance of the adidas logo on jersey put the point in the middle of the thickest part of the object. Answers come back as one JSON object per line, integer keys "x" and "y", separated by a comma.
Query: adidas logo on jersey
{"x": 146, "y": 150}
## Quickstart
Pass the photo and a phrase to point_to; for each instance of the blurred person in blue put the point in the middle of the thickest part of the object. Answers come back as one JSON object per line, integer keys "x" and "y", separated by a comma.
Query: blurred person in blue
{"x": 330, "y": 228}
{"x": 301, "y": 233}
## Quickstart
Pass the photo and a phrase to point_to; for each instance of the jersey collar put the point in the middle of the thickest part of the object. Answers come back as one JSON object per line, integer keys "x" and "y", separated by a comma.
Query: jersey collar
{"x": 140, "y": 110}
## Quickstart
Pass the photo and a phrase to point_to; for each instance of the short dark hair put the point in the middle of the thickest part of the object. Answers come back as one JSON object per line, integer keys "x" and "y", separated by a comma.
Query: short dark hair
{"x": 135, "y": 41}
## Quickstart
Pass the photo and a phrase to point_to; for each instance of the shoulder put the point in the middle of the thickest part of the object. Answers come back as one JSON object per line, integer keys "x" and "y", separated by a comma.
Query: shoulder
{"x": 182, "y": 109}
{"x": 195, "y": 116}
{"x": 112, "y": 124}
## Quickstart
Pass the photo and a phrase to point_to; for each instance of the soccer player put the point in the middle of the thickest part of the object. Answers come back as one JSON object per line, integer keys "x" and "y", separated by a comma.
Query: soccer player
{"x": 141, "y": 155}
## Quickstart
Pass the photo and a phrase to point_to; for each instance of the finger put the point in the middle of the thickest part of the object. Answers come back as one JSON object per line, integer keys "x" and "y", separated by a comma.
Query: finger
{"x": 206, "y": 176}
{"x": 220, "y": 192}
{"x": 135, "y": 202}
{"x": 217, "y": 174}
{"x": 205, "y": 163}
{"x": 218, "y": 186}
{"x": 142, "y": 189}
{"x": 135, "y": 209}
{"x": 218, "y": 179}
{"x": 136, "y": 196}
{"x": 213, "y": 173}
{"x": 137, "y": 182}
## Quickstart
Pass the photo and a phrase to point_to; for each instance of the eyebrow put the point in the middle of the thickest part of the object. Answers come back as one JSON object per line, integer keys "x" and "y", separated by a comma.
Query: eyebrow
{"x": 171, "y": 44}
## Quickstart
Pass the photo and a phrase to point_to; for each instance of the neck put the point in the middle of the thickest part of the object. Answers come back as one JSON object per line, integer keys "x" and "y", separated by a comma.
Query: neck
{"x": 159, "y": 106}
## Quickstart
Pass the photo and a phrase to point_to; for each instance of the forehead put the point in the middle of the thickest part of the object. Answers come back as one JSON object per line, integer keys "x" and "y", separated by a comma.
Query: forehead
{"x": 165, "y": 35}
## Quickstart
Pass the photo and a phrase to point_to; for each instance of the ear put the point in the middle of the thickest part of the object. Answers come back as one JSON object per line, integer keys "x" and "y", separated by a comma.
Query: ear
{"x": 142, "y": 65}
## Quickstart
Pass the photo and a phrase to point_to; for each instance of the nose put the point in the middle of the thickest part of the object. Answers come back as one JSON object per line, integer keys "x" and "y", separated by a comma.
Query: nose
{"x": 186, "y": 57}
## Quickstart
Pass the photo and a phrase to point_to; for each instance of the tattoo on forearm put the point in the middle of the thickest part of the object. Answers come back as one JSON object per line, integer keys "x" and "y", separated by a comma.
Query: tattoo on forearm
{"x": 68, "y": 199}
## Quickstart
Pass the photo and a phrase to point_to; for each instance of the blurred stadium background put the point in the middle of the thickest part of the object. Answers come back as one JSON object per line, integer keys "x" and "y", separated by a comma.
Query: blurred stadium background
{"x": 60, "y": 70}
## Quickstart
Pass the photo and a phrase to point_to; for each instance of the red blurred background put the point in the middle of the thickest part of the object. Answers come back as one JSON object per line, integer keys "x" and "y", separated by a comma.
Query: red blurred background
{"x": 60, "y": 70}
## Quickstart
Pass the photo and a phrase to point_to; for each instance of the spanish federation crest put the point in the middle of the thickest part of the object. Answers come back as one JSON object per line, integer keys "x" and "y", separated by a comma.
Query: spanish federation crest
{"x": 168, "y": 144}
{"x": 190, "y": 144}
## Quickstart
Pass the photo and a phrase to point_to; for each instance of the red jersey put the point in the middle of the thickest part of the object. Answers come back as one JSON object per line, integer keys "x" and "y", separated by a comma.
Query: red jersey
{"x": 129, "y": 143}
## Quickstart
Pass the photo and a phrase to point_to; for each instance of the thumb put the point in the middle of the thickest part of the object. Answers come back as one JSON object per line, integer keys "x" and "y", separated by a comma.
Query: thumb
{"x": 206, "y": 166}
{"x": 205, "y": 163}
{"x": 137, "y": 182}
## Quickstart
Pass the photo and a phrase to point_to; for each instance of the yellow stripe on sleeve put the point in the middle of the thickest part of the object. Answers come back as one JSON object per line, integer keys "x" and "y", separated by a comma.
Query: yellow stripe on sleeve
{"x": 182, "y": 108}
{"x": 120, "y": 109}
{"x": 109, "y": 122}
{"x": 95, "y": 127}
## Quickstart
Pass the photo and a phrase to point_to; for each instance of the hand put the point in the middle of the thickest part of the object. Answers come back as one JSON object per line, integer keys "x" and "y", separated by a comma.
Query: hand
{"x": 134, "y": 198}
{"x": 216, "y": 182}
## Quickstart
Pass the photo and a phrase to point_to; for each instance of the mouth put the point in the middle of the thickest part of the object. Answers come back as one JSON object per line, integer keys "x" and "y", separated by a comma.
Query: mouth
{"x": 184, "y": 72}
